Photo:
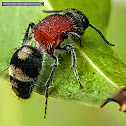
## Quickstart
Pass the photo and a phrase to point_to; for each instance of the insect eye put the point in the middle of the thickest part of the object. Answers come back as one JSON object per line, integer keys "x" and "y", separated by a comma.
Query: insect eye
{"x": 83, "y": 20}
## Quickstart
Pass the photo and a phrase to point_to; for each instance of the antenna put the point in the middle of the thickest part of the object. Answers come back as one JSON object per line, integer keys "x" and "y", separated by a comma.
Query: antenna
{"x": 100, "y": 33}
{"x": 52, "y": 11}
{"x": 108, "y": 100}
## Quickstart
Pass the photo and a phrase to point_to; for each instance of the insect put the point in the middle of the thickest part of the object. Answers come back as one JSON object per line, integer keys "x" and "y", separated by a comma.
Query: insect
{"x": 25, "y": 66}
{"x": 24, "y": 69}
{"x": 51, "y": 32}
{"x": 119, "y": 97}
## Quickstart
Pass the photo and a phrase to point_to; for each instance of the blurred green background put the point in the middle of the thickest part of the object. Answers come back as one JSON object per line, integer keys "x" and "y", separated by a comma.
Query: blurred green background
{"x": 14, "y": 112}
{"x": 117, "y": 27}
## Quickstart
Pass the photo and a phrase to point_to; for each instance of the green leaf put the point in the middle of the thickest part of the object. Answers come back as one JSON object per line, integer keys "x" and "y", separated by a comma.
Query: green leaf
{"x": 101, "y": 71}
{"x": 30, "y": 112}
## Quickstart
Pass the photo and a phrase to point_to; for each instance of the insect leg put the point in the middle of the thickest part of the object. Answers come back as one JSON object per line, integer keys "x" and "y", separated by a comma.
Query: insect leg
{"x": 73, "y": 34}
{"x": 71, "y": 49}
{"x": 26, "y": 36}
{"x": 55, "y": 64}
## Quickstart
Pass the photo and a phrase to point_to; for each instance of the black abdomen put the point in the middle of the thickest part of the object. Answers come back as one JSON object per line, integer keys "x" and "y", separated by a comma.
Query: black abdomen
{"x": 25, "y": 66}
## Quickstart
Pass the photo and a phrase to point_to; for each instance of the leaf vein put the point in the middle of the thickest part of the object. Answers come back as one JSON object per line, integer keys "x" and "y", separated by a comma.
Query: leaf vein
{"x": 95, "y": 67}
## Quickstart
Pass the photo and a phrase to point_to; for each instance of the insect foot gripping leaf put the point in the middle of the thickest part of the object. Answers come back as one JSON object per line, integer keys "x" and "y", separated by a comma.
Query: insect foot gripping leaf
{"x": 120, "y": 98}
